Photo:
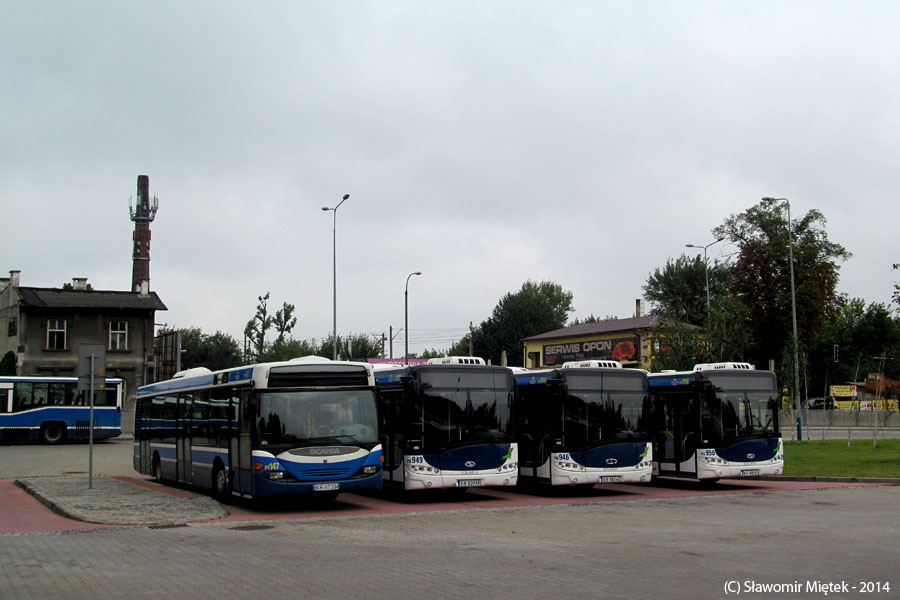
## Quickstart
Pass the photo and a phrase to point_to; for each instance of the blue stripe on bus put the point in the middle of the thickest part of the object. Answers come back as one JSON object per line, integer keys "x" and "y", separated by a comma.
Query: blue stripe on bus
{"x": 669, "y": 381}
{"x": 533, "y": 380}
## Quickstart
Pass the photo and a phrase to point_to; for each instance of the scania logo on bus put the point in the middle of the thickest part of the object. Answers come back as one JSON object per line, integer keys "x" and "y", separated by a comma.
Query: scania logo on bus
{"x": 751, "y": 456}
{"x": 611, "y": 461}
{"x": 324, "y": 451}
{"x": 470, "y": 464}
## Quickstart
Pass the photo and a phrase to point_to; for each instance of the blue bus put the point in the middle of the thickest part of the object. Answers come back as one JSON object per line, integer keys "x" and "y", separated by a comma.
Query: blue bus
{"x": 583, "y": 424}
{"x": 718, "y": 421}
{"x": 305, "y": 426}
{"x": 448, "y": 424}
{"x": 53, "y": 410}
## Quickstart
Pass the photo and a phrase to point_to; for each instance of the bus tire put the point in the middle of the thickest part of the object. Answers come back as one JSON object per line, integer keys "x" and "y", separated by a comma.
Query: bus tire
{"x": 220, "y": 482}
{"x": 53, "y": 433}
{"x": 157, "y": 469}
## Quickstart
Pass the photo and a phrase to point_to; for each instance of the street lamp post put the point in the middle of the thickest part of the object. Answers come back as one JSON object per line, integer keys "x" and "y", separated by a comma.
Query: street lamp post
{"x": 334, "y": 267}
{"x": 793, "y": 315}
{"x": 706, "y": 265}
{"x": 406, "y": 317}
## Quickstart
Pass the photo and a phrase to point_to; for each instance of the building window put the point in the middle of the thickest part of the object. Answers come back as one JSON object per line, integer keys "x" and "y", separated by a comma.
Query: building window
{"x": 13, "y": 326}
{"x": 56, "y": 334}
{"x": 118, "y": 335}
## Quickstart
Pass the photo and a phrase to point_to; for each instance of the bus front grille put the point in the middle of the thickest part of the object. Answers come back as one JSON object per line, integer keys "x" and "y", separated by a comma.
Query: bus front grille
{"x": 332, "y": 472}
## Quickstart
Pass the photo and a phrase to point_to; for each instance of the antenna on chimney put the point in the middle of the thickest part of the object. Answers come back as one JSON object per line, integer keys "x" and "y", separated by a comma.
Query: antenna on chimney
{"x": 142, "y": 215}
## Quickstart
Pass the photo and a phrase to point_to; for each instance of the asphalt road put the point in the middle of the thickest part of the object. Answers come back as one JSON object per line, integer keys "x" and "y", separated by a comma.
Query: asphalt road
{"x": 762, "y": 539}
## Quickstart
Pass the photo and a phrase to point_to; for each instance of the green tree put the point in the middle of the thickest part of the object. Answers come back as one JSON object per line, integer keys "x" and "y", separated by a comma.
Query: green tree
{"x": 353, "y": 347}
{"x": 8, "y": 364}
{"x": 679, "y": 345}
{"x": 215, "y": 352}
{"x": 534, "y": 309}
{"x": 593, "y": 319}
{"x": 257, "y": 327}
{"x": 283, "y": 321}
{"x": 692, "y": 331}
{"x": 461, "y": 348}
{"x": 863, "y": 334}
{"x": 728, "y": 331}
{"x": 679, "y": 289}
{"x": 762, "y": 275}
{"x": 286, "y": 349}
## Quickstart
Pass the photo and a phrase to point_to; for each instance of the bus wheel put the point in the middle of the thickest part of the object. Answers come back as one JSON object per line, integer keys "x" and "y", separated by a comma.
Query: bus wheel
{"x": 53, "y": 433}
{"x": 157, "y": 469}
{"x": 220, "y": 482}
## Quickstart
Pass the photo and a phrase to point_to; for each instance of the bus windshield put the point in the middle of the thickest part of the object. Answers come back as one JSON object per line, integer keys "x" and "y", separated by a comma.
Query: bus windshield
{"x": 466, "y": 407}
{"x": 735, "y": 408}
{"x": 291, "y": 418}
{"x": 592, "y": 417}
{"x": 603, "y": 408}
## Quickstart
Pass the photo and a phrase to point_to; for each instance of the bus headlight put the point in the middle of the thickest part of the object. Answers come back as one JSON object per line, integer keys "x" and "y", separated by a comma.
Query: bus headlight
{"x": 370, "y": 470}
{"x": 273, "y": 475}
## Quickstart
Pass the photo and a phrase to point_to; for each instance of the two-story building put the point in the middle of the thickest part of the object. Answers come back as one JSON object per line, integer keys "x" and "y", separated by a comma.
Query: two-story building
{"x": 45, "y": 327}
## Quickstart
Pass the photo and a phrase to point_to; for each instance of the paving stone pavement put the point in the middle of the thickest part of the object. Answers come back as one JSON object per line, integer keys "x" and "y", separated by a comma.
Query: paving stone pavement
{"x": 134, "y": 503}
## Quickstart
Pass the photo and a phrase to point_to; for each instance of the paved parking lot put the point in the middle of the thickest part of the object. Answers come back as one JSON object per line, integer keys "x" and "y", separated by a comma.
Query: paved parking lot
{"x": 687, "y": 546}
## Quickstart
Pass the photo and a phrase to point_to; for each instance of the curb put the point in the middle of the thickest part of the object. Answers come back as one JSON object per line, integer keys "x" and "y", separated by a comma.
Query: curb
{"x": 825, "y": 479}
{"x": 53, "y": 505}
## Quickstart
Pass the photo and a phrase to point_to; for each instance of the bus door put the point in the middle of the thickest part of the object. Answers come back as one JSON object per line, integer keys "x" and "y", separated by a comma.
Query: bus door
{"x": 676, "y": 445}
{"x": 240, "y": 448}
{"x": 183, "y": 439}
{"x": 391, "y": 425}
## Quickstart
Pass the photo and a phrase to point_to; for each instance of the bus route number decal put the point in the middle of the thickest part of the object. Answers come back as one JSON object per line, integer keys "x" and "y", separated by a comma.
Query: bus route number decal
{"x": 563, "y": 457}
{"x": 415, "y": 460}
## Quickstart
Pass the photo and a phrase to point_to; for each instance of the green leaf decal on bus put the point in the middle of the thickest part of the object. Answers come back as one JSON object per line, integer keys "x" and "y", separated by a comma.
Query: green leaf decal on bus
{"x": 646, "y": 450}
{"x": 508, "y": 453}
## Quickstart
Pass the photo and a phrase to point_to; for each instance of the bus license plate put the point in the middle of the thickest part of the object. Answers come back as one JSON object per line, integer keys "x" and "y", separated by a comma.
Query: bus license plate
{"x": 750, "y": 473}
{"x": 612, "y": 479}
{"x": 469, "y": 483}
{"x": 326, "y": 487}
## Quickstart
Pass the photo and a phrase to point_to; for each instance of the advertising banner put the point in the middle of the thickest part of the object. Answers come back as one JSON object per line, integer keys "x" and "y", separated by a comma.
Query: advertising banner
{"x": 621, "y": 349}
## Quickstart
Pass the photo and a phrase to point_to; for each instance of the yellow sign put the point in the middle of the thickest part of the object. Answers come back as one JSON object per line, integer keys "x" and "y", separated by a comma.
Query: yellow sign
{"x": 843, "y": 391}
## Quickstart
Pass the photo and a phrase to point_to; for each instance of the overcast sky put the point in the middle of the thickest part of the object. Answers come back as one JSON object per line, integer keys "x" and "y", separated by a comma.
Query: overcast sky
{"x": 482, "y": 143}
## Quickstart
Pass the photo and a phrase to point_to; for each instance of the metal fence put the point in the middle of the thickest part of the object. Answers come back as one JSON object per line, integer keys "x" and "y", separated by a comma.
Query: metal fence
{"x": 837, "y": 419}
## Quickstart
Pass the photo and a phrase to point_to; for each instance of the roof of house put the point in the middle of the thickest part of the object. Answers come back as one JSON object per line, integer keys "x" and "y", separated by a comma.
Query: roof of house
{"x": 58, "y": 298}
{"x": 612, "y": 326}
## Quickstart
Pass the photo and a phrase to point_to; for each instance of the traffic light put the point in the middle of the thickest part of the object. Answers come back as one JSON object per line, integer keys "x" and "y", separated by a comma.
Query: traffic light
{"x": 837, "y": 353}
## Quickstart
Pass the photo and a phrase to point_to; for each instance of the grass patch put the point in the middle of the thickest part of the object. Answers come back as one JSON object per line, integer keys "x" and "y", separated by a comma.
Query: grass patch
{"x": 832, "y": 458}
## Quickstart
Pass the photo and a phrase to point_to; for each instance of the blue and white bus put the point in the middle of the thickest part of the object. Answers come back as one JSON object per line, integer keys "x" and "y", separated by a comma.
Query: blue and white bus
{"x": 583, "y": 424}
{"x": 305, "y": 426}
{"x": 717, "y": 421}
{"x": 53, "y": 410}
{"x": 448, "y": 424}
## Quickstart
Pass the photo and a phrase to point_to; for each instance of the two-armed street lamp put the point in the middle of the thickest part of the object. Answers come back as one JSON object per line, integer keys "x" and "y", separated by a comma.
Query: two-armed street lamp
{"x": 406, "y": 317}
{"x": 706, "y": 264}
{"x": 334, "y": 254}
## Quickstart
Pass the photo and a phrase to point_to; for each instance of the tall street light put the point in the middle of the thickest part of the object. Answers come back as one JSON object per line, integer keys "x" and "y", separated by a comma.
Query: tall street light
{"x": 334, "y": 255}
{"x": 793, "y": 313}
{"x": 707, "y": 267}
{"x": 406, "y": 317}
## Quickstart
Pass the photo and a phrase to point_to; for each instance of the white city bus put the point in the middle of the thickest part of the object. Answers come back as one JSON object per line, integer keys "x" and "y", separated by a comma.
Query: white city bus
{"x": 447, "y": 425}
{"x": 718, "y": 421}
{"x": 583, "y": 424}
